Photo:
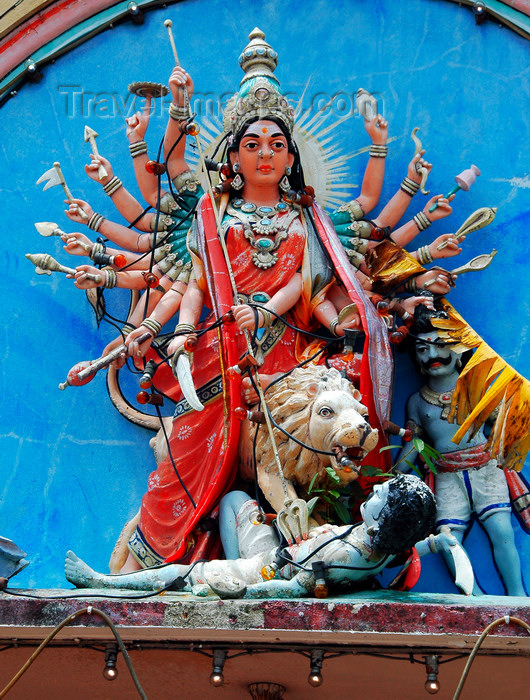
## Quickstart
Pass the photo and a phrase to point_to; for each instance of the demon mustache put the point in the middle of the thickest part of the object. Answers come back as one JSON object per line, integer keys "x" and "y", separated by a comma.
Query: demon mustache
{"x": 436, "y": 360}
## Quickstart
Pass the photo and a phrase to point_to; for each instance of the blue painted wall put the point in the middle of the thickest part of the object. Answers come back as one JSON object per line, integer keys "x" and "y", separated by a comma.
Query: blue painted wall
{"x": 73, "y": 471}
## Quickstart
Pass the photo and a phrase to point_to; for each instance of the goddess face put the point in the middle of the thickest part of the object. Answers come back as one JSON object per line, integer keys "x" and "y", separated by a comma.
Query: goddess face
{"x": 263, "y": 154}
{"x": 435, "y": 358}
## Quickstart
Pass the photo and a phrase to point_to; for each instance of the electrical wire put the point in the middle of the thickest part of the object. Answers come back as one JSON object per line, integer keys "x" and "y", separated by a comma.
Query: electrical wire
{"x": 507, "y": 619}
{"x": 151, "y": 594}
{"x": 88, "y": 611}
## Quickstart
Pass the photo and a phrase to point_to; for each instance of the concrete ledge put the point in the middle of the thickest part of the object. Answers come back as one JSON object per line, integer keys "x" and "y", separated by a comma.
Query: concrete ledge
{"x": 383, "y": 619}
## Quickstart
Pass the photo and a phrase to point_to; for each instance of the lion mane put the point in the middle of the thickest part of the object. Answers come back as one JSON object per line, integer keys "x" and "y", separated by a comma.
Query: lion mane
{"x": 290, "y": 402}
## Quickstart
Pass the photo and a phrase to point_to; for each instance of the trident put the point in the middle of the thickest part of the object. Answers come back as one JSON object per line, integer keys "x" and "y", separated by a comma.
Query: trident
{"x": 54, "y": 176}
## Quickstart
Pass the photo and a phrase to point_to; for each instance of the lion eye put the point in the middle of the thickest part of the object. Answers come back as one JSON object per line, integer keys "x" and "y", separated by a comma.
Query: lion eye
{"x": 325, "y": 412}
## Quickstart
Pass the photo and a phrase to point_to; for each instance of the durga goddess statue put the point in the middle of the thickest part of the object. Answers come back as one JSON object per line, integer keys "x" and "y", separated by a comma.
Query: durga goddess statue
{"x": 267, "y": 281}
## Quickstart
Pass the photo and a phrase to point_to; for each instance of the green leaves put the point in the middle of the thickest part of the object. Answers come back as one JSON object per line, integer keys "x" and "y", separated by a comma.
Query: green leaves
{"x": 427, "y": 453}
{"x": 330, "y": 497}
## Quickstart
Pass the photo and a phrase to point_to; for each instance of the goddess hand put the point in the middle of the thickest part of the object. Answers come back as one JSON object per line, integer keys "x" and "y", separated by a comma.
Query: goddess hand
{"x": 138, "y": 123}
{"x": 177, "y": 342}
{"x": 120, "y": 361}
{"x": 436, "y": 281}
{"x": 411, "y": 303}
{"x": 245, "y": 317}
{"x": 443, "y": 209}
{"x": 73, "y": 210}
{"x": 92, "y": 169}
{"x": 377, "y": 130}
{"x": 351, "y": 323}
{"x": 133, "y": 348}
{"x": 450, "y": 249}
{"x": 178, "y": 80}
{"x": 77, "y": 244}
{"x": 80, "y": 277}
{"x": 412, "y": 172}
{"x": 444, "y": 541}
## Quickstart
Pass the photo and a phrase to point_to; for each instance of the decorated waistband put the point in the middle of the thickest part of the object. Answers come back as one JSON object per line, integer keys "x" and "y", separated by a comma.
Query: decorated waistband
{"x": 474, "y": 457}
{"x": 214, "y": 388}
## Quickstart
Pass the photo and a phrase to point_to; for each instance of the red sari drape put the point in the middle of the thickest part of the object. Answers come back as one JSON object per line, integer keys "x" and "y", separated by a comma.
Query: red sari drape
{"x": 203, "y": 445}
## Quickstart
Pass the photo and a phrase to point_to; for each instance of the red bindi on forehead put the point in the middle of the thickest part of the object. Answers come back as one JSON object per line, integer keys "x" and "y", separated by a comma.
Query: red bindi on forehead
{"x": 264, "y": 130}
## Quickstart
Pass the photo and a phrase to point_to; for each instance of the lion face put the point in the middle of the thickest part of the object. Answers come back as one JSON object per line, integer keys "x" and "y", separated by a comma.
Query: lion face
{"x": 338, "y": 419}
{"x": 322, "y": 410}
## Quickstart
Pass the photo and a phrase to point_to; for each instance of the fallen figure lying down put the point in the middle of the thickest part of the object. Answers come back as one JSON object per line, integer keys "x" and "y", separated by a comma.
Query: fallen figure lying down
{"x": 397, "y": 515}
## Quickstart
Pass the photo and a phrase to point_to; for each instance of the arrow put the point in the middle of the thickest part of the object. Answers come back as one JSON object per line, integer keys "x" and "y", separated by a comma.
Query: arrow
{"x": 90, "y": 137}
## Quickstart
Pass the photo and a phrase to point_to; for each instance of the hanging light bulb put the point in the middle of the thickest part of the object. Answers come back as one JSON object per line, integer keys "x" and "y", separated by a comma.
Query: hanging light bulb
{"x": 137, "y": 16}
{"x": 432, "y": 686}
{"x": 110, "y": 672}
{"x": 479, "y": 10}
{"x": 216, "y": 677}
{"x": 315, "y": 676}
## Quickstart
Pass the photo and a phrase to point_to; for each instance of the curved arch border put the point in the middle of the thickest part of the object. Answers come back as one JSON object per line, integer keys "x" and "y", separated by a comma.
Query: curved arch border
{"x": 65, "y": 24}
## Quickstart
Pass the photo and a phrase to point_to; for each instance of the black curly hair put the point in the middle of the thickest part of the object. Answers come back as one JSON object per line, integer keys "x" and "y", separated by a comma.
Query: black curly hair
{"x": 407, "y": 517}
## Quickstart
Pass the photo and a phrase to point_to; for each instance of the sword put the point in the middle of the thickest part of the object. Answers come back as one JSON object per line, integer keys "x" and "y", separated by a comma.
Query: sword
{"x": 183, "y": 372}
{"x": 464, "y": 578}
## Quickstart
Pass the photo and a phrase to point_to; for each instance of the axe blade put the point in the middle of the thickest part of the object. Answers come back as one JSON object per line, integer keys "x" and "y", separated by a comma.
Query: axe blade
{"x": 50, "y": 177}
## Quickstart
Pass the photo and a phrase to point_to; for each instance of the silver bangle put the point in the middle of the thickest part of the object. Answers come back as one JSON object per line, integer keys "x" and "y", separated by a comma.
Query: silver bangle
{"x": 112, "y": 186}
{"x": 95, "y": 221}
{"x": 409, "y": 187}
{"x": 154, "y": 326}
{"x": 182, "y": 328}
{"x": 377, "y": 151}
{"x": 411, "y": 285}
{"x": 355, "y": 258}
{"x": 137, "y": 149}
{"x": 333, "y": 325}
{"x": 127, "y": 328}
{"x": 111, "y": 278}
{"x": 174, "y": 272}
{"x": 421, "y": 221}
{"x": 179, "y": 113}
{"x": 424, "y": 255}
{"x": 267, "y": 316}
